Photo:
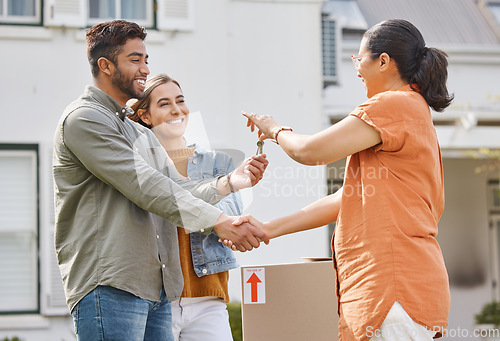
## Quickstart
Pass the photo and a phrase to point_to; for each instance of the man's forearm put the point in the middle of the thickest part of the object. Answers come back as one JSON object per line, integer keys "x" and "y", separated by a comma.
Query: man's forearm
{"x": 123, "y": 166}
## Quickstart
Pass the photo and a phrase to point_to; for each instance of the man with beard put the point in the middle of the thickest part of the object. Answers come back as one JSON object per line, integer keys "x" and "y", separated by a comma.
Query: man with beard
{"x": 119, "y": 199}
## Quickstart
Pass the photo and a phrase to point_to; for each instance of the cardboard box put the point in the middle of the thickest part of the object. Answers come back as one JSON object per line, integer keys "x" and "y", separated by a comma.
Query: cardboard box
{"x": 292, "y": 302}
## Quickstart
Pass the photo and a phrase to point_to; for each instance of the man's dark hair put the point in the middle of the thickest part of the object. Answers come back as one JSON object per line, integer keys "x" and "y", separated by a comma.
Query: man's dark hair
{"x": 106, "y": 40}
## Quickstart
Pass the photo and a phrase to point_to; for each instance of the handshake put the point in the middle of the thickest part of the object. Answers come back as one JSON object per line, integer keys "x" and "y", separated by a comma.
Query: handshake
{"x": 240, "y": 233}
{"x": 243, "y": 233}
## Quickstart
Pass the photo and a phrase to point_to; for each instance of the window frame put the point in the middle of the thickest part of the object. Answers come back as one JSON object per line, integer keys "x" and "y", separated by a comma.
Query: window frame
{"x": 35, "y": 149}
{"x": 493, "y": 203}
{"x": 332, "y": 62}
{"x": 494, "y": 8}
{"x": 149, "y": 22}
{"x": 36, "y": 20}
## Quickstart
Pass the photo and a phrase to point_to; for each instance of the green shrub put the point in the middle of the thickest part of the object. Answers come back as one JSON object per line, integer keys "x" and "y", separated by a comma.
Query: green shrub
{"x": 234, "y": 310}
{"x": 490, "y": 314}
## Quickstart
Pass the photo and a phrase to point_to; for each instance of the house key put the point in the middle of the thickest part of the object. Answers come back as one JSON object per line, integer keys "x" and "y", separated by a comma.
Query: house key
{"x": 260, "y": 147}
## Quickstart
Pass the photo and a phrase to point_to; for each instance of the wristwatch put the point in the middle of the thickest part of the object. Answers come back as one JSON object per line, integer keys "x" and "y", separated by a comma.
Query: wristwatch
{"x": 279, "y": 131}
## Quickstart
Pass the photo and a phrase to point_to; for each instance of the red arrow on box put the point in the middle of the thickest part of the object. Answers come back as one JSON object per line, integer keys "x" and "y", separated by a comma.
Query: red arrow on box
{"x": 253, "y": 280}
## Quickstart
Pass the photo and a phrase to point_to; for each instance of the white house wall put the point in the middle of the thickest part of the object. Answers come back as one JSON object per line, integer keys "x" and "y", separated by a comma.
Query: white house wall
{"x": 243, "y": 55}
{"x": 464, "y": 240}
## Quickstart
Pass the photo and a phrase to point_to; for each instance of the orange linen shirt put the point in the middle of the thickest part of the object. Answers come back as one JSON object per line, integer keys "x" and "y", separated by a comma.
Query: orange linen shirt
{"x": 385, "y": 247}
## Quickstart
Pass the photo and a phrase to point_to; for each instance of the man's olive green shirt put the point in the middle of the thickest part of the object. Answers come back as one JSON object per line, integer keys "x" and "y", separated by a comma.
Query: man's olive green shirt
{"x": 118, "y": 201}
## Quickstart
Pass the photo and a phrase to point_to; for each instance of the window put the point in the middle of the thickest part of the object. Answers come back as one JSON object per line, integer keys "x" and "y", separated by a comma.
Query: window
{"x": 19, "y": 229}
{"x": 20, "y": 12}
{"x": 493, "y": 196}
{"x": 329, "y": 44}
{"x": 139, "y": 11}
{"x": 494, "y": 7}
{"x": 341, "y": 20}
{"x": 164, "y": 15}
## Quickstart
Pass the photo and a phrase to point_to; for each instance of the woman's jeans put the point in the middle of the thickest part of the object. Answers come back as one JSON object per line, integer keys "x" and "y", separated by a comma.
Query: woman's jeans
{"x": 107, "y": 314}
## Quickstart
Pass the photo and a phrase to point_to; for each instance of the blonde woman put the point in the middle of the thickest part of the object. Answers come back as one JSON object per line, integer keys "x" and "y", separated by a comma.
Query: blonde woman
{"x": 201, "y": 312}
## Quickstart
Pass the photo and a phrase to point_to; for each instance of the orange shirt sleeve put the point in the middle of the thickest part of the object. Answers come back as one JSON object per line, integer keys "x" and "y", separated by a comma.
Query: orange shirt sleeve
{"x": 381, "y": 112}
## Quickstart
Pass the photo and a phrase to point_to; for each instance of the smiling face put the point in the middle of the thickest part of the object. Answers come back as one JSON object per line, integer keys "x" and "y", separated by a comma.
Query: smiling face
{"x": 379, "y": 72}
{"x": 168, "y": 113}
{"x": 130, "y": 69}
{"x": 368, "y": 70}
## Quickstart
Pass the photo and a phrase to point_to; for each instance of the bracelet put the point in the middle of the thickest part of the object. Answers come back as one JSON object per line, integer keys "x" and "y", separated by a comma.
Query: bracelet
{"x": 231, "y": 188}
{"x": 279, "y": 131}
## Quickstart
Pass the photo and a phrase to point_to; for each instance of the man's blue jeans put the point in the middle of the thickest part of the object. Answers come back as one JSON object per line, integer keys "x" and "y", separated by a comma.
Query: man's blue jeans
{"x": 107, "y": 314}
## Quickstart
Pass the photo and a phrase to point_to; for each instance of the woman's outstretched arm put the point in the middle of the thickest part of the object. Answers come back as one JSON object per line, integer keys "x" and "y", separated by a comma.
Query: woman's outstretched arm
{"x": 349, "y": 136}
{"x": 321, "y": 212}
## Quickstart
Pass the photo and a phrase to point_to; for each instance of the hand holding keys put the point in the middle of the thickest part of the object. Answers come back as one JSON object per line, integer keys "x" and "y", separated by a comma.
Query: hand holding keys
{"x": 260, "y": 147}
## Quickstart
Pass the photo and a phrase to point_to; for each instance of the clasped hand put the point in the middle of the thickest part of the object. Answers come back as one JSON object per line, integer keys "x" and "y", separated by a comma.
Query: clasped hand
{"x": 240, "y": 233}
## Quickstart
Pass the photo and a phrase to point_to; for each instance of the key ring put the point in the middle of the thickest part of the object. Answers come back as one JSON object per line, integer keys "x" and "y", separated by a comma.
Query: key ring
{"x": 260, "y": 147}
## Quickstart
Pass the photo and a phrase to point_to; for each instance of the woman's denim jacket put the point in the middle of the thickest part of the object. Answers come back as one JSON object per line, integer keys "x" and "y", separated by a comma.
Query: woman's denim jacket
{"x": 209, "y": 255}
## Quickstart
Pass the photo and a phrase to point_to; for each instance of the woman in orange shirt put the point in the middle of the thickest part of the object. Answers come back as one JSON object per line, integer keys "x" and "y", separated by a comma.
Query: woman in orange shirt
{"x": 392, "y": 281}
